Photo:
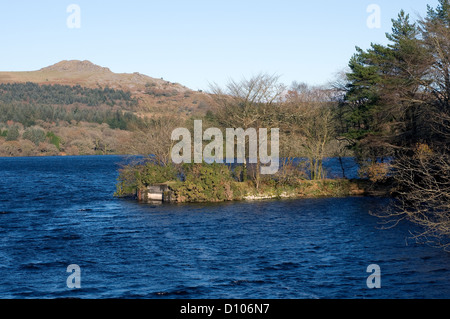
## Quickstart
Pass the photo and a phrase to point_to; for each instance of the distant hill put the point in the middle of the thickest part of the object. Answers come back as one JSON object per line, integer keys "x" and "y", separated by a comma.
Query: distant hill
{"x": 80, "y": 108}
{"x": 86, "y": 73}
{"x": 154, "y": 95}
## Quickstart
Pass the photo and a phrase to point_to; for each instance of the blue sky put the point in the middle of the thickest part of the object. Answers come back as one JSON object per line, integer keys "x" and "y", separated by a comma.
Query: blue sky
{"x": 197, "y": 42}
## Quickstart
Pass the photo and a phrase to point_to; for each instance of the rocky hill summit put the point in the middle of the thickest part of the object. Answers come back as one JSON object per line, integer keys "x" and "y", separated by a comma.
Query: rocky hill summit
{"x": 75, "y": 66}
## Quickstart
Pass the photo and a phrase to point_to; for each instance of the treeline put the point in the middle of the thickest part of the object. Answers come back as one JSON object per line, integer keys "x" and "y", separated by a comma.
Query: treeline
{"x": 63, "y": 95}
{"x": 29, "y": 114}
{"x": 28, "y": 103}
{"x": 396, "y": 96}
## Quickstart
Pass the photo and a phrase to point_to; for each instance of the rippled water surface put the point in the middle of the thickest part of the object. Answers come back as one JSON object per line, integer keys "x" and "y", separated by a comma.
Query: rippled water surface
{"x": 59, "y": 211}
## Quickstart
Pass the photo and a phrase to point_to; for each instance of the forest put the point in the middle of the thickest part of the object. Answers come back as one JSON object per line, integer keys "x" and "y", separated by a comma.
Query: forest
{"x": 57, "y": 94}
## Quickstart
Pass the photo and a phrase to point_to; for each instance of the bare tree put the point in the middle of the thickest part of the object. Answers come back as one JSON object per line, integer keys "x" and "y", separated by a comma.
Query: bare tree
{"x": 310, "y": 115}
{"x": 154, "y": 139}
{"x": 422, "y": 195}
{"x": 249, "y": 103}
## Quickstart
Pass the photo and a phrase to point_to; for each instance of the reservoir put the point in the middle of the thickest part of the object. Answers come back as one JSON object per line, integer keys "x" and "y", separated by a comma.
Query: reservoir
{"x": 60, "y": 211}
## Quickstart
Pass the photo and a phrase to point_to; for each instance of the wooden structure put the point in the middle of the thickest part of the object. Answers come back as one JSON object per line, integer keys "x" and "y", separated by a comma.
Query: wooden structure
{"x": 155, "y": 193}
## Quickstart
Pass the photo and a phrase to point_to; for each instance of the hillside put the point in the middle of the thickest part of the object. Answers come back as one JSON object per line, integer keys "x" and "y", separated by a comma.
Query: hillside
{"x": 154, "y": 95}
{"x": 85, "y": 73}
{"x": 77, "y": 107}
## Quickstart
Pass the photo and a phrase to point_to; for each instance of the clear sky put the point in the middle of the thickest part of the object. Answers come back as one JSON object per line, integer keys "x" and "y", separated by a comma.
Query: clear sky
{"x": 197, "y": 42}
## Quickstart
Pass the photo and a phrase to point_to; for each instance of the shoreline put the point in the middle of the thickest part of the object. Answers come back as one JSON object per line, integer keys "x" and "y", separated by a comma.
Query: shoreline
{"x": 328, "y": 188}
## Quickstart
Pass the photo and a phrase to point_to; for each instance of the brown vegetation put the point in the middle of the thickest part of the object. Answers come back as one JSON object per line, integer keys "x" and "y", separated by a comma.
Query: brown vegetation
{"x": 74, "y": 139}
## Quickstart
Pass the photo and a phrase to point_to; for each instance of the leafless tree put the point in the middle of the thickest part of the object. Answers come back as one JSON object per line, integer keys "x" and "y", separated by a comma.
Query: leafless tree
{"x": 422, "y": 195}
{"x": 154, "y": 140}
{"x": 249, "y": 103}
{"x": 311, "y": 118}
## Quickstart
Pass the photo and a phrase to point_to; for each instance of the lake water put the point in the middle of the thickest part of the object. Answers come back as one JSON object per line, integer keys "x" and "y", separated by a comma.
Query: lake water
{"x": 59, "y": 211}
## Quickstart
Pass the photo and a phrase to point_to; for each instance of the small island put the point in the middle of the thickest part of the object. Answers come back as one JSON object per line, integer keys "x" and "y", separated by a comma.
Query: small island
{"x": 274, "y": 140}
{"x": 189, "y": 183}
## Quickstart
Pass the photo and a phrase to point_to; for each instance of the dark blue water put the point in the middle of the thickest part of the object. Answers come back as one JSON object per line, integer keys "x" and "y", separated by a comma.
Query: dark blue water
{"x": 61, "y": 210}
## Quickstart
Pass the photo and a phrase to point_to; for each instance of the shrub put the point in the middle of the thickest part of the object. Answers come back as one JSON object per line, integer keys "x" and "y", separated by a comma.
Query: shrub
{"x": 138, "y": 176}
{"x": 375, "y": 172}
{"x": 291, "y": 174}
{"x": 35, "y": 134}
{"x": 152, "y": 173}
{"x": 54, "y": 139}
{"x": 206, "y": 182}
{"x": 12, "y": 134}
{"x": 422, "y": 151}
